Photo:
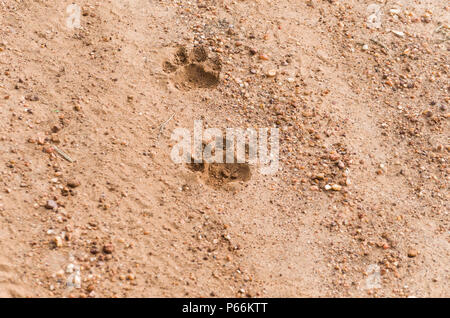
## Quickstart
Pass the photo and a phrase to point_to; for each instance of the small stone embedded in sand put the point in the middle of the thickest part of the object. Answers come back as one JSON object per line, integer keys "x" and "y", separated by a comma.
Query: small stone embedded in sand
{"x": 336, "y": 187}
{"x": 57, "y": 241}
{"x": 400, "y": 34}
{"x": 263, "y": 57}
{"x": 412, "y": 253}
{"x": 32, "y": 98}
{"x": 108, "y": 249}
{"x": 271, "y": 73}
{"x": 395, "y": 11}
{"x": 49, "y": 149}
{"x": 94, "y": 250}
{"x": 73, "y": 183}
{"x": 59, "y": 274}
{"x": 74, "y": 279}
{"x": 426, "y": 18}
{"x": 427, "y": 113}
{"x": 320, "y": 176}
{"x": 51, "y": 205}
{"x": 70, "y": 268}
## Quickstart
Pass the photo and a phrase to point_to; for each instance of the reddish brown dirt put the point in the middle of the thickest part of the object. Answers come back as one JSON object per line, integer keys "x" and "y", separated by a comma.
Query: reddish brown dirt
{"x": 365, "y": 109}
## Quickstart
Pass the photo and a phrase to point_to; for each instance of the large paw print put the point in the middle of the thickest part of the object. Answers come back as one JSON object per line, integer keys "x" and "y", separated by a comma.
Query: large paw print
{"x": 193, "y": 70}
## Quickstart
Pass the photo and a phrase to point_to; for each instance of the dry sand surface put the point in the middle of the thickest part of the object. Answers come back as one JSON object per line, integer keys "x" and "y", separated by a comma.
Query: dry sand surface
{"x": 362, "y": 109}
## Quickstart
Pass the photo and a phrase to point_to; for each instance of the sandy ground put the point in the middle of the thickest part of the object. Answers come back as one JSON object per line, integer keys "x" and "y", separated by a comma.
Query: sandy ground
{"x": 363, "y": 109}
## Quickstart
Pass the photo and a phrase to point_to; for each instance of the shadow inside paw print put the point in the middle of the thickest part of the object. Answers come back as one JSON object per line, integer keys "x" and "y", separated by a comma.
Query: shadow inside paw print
{"x": 220, "y": 175}
{"x": 193, "y": 70}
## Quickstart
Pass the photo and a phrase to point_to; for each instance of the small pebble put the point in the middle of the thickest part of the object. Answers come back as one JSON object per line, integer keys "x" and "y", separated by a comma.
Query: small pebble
{"x": 400, "y": 34}
{"x": 412, "y": 253}
{"x": 271, "y": 73}
{"x": 108, "y": 249}
{"x": 57, "y": 241}
{"x": 427, "y": 113}
{"x": 336, "y": 187}
{"x": 73, "y": 183}
{"x": 51, "y": 205}
{"x": 263, "y": 57}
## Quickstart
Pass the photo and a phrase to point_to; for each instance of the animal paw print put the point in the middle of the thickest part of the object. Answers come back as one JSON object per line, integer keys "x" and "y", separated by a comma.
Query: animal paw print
{"x": 193, "y": 70}
{"x": 219, "y": 175}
